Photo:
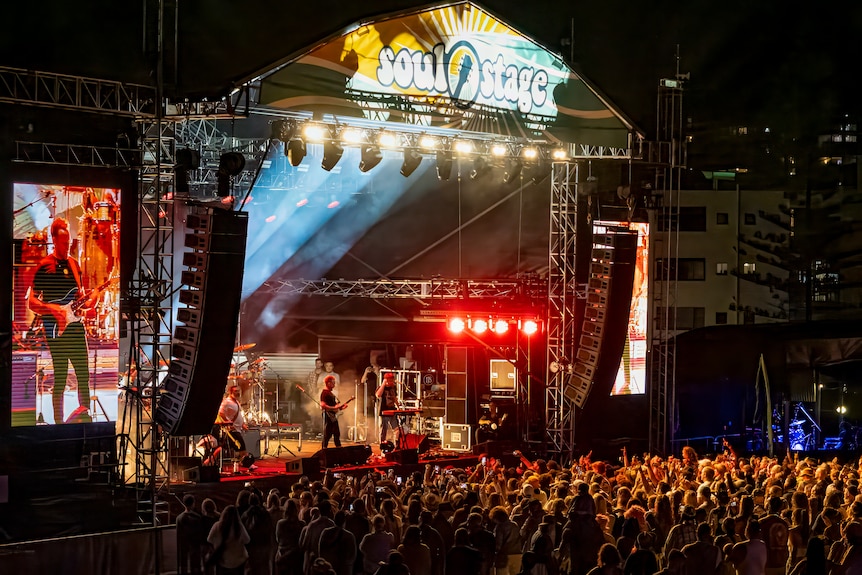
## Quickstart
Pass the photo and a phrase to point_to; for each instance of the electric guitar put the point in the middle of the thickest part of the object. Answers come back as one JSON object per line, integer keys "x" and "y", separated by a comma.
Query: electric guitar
{"x": 487, "y": 424}
{"x": 334, "y": 415}
{"x": 70, "y": 309}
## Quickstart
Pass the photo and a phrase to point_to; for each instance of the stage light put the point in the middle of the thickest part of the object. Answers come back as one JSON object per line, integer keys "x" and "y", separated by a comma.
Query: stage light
{"x": 480, "y": 168}
{"x": 281, "y": 130}
{"x": 501, "y": 326}
{"x": 229, "y": 164}
{"x": 429, "y": 142}
{"x": 186, "y": 159}
{"x": 513, "y": 170}
{"x": 352, "y": 136}
{"x": 371, "y": 156}
{"x": 463, "y": 146}
{"x": 498, "y": 150}
{"x": 529, "y": 327}
{"x": 559, "y": 155}
{"x": 480, "y": 326}
{"x": 444, "y": 164}
{"x": 295, "y": 151}
{"x": 456, "y": 325}
{"x": 332, "y": 152}
{"x": 387, "y": 140}
{"x": 412, "y": 159}
{"x": 530, "y": 153}
{"x": 315, "y": 133}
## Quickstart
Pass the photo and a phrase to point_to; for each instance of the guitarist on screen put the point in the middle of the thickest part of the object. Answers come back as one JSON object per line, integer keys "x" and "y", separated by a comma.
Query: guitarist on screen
{"x": 56, "y": 294}
{"x": 330, "y": 407}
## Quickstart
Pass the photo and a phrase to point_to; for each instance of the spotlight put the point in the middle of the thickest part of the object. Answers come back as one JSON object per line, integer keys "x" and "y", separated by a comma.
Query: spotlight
{"x": 456, "y": 325}
{"x": 498, "y": 150}
{"x": 412, "y": 159}
{"x": 371, "y": 156}
{"x": 559, "y": 155}
{"x": 186, "y": 159}
{"x": 463, "y": 146}
{"x": 332, "y": 152}
{"x": 429, "y": 142}
{"x": 444, "y": 164}
{"x": 530, "y": 327}
{"x": 387, "y": 140}
{"x": 229, "y": 164}
{"x": 480, "y": 326}
{"x": 295, "y": 151}
{"x": 279, "y": 130}
{"x": 352, "y": 136}
{"x": 501, "y": 326}
{"x": 513, "y": 170}
{"x": 530, "y": 153}
{"x": 315, "y": 132}
{"x": 480, "y": 167}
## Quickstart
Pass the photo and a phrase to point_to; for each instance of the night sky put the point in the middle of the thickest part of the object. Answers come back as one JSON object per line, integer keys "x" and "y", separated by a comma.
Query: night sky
{"x": 768, "y": 61}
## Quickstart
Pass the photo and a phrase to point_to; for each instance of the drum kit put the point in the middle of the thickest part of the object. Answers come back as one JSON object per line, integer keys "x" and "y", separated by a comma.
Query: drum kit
{"x": 249, "y": 376}
{"x": 99, "y": 256}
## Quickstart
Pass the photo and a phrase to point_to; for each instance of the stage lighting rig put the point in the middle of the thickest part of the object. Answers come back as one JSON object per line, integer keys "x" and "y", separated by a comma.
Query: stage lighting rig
{"x": 370, "y": 157}
{"x": 412, "y": 159}
{"x": 444, "y": 164}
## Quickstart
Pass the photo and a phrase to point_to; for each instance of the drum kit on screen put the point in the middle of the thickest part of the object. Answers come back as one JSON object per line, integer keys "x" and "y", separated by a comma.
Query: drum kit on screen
{"x": 248, "y": 375}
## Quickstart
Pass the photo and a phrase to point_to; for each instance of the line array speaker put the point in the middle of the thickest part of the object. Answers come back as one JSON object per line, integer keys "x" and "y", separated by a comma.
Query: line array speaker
{"x": 203, "y": 345}
{"x": 583, "y": 370}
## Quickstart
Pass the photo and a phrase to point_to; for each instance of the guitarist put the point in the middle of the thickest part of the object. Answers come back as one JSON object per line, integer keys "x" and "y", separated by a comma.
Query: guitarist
{"x": 56, "y": 284}
{"x": 330, "y": 406}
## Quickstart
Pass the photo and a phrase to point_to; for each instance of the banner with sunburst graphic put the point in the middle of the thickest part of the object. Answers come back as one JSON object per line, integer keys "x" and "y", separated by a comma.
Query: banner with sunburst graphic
{"x": 455, "y": 67}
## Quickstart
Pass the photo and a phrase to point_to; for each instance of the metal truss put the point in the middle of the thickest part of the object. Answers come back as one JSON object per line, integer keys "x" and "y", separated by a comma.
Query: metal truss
{"x": 442, "y": 289}
{"x": 151, "y": 308}
{"x": 669, "y": 157}
{"x": 76, "y": 155}
{"x": 559, "y": 409}
{"x": 76, "y": 93}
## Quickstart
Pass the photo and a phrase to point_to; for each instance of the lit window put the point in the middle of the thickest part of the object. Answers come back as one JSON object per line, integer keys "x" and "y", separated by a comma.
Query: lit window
{"x": 748, "y": 268}
{"x": 721, "y": 268}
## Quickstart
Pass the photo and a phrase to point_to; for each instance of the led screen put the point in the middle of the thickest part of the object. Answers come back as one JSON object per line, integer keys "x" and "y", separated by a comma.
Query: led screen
{"x": 631, "y": 376}
{"x": 65, "y": 359}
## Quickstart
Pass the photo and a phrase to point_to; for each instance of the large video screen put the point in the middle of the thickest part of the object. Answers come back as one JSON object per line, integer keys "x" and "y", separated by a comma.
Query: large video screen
{"x": 631, "y": 376}
{"x": 66, "y": 272}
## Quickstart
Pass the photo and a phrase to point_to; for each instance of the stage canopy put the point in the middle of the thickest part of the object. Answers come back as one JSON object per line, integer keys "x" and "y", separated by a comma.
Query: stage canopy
{"x": 446, "y": 69}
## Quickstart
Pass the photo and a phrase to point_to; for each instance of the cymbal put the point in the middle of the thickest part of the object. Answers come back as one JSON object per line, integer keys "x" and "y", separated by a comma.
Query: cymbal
{"x": 243, "y": 347}
{"x": 237, "y": 376}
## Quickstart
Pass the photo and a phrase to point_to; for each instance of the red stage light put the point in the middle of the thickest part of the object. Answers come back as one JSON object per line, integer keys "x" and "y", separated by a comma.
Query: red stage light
{"x": 480, "y": 326}
{"x": 301, "y": 202}
{"x": 501, "y": 326}
{"x": 530, "y": 327}
{"x": 333, "y": 204}
{"x": 456, "y": 325}
{"x": 270, "y": 219}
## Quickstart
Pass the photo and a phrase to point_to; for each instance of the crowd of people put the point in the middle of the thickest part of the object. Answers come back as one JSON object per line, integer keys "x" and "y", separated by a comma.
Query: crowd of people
{"x": 641, "y": 515}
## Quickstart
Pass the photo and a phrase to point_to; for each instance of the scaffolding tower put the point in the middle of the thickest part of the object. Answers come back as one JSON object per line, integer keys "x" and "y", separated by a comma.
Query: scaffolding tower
{"x": 669, "y": 158}
{"x": 562, "y": 294}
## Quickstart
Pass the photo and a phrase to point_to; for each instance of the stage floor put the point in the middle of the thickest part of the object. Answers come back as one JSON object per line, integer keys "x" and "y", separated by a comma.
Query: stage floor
{"x": 283, "y": 462}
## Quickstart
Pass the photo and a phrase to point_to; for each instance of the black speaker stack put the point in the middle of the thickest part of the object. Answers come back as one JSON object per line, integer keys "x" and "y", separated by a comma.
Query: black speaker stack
{"x": 203, "y": 345}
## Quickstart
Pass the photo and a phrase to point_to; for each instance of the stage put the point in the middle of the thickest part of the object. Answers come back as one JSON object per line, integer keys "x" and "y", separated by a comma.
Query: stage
{"x": 283, "y": 461}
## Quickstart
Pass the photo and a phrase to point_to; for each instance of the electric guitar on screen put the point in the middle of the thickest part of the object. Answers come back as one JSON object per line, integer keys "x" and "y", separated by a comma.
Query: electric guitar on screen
{"x": 70, "y": 309}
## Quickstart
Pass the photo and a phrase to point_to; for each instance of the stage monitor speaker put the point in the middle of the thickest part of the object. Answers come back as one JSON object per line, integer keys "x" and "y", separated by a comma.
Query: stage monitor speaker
{"x": 308, "y": 466}
{"x": 345, "y": 455}
{"x": 457, "y": 437}
{"x": 205, "y": 345}
{"x": 185, "y": 468}
{"x": 403, "y": 456}
{"x": 252, "y": 442}
{"x": 419, "y": 442}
